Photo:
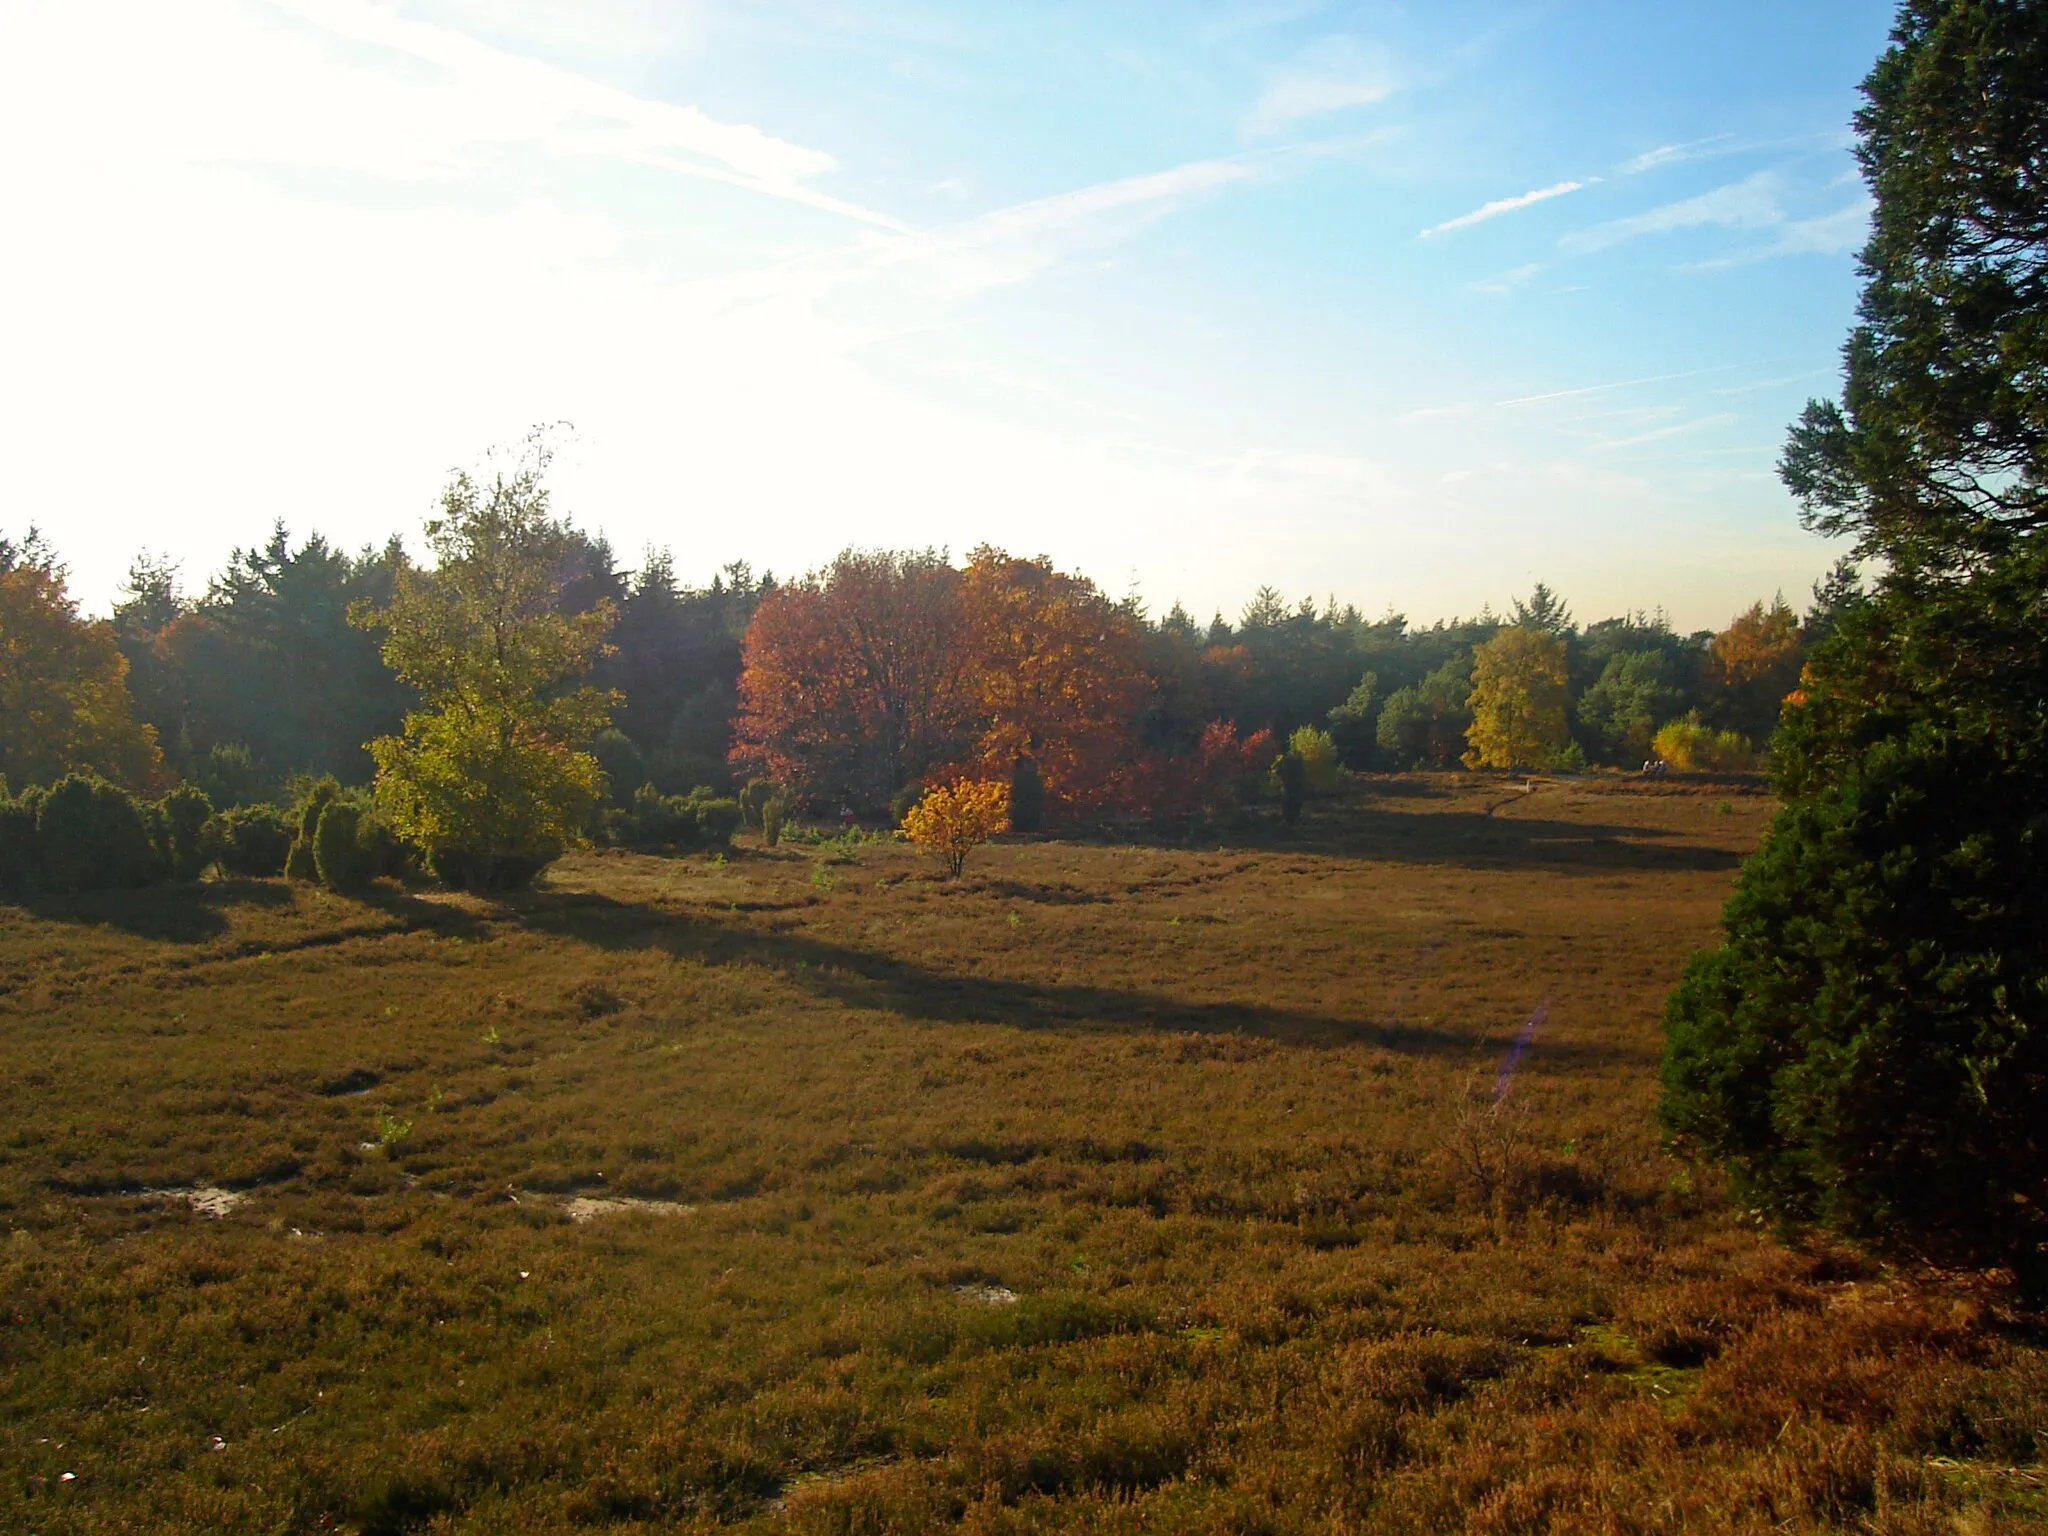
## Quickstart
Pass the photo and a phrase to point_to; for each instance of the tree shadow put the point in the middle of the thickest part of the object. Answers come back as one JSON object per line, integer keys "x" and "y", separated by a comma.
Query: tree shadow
{"x": 1480, "y": 839}
{"x": 189, "y": 912}
{"x": 862, "y": 979}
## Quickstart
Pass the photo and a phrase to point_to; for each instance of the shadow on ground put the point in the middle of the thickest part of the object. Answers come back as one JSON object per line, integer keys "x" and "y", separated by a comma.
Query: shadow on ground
{"x": 861, "y": 979}
{"x": 174, "y": 914}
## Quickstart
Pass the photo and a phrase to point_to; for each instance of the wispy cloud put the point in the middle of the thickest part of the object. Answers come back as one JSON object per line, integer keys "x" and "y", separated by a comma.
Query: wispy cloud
{"x": 1659, "y": 434}
{"x": 1501, "y": 205}
{"x": 1674, "y": 154}
{"x": 1337, "y": 74}
{"x": 492, "y": 97}
{"x": 1827, "y": 234}
{"x": 1510, "y": 280}
{"x": 1752, "y": 203}
{"x": 1595, "y": 389}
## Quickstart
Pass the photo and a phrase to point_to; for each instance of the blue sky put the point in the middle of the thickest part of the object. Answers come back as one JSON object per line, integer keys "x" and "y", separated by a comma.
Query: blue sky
{"x": 1411, "y": 305}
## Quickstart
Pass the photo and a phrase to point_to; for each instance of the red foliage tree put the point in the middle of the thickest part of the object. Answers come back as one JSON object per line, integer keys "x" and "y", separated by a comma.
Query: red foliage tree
{"x": 853, "y": 680}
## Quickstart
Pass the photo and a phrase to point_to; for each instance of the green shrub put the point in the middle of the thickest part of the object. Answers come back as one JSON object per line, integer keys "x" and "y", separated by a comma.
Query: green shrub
{"x": 1318, "y": 753}
{"x": 486, "y": 872}
{"x": 300, "y": 863}
{"x": 17, "y": 841}
{"x": 229, "y": 776}
{"x": 904, "y": 800}
{"x": 757, "y": 793}
{"x": 181, "y": 818}
{"x": 685, "y": 823}
{"x": 773, "y": 814}
{"x": 1292, "y": 773}
{"x": 1027, "y": 796}
{"x": 250, "y": 840}
{"x": 93, "y": 836}
{"x": 347, "y": 851}
{"x": 621, "y": 761}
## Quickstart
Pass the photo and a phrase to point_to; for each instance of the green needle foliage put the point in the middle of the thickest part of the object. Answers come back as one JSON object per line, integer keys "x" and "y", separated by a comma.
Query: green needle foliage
{"x": 492, "y": 777}
{"x": 1869, "y": 1051}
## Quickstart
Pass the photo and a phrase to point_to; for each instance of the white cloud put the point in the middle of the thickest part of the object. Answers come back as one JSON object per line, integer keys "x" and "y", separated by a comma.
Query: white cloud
{"x": 1501, "y": 205}
{"x": 1674, "y": 154}
{"x": 1014, "y": 244}
{"x": 1830, "y": 234}
{"x": 1827, "y": 234}
{"x": 1752, "y": 203}
{"x": 1337, "y": 74}
{"x": 478, "y": 96}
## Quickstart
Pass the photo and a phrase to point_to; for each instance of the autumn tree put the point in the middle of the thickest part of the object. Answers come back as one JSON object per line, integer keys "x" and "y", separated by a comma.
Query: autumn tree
{"x": 1056, "y": 675}
{"x": 1750, "y": 666}
{"x": 64, "y": 700}
{"x": 1518, "y": 701}
{"x": 491, "y": 775}
{"x": 853, "y": 679}
{"x": 952, "y": 820}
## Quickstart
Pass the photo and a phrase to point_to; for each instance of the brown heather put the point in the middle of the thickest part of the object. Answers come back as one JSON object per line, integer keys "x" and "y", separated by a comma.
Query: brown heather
{"x": 1219, "y": 1118}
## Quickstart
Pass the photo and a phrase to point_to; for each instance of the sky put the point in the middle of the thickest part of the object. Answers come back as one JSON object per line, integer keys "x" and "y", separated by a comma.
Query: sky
{"x": 1406, "y": 305}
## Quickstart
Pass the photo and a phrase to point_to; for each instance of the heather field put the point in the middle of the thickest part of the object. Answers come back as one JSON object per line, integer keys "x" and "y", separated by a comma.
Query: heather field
{"x": 1116, "y": 1186}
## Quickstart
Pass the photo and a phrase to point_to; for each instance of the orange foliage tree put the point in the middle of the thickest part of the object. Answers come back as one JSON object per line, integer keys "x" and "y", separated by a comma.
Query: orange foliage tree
{"x": 1751, "y": 665}
{"x": 64, "y": 700}
{"x": 884, "y": 668}
{"x": 1056, "y": 674}
{"x": 852, "y": 680}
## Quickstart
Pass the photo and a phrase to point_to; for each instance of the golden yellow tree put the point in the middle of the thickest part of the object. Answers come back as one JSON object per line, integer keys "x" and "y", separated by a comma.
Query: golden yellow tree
{"x": 64, "y": 700}
{"x": 952, "y": 820}
{"x": 1518, "y": 701}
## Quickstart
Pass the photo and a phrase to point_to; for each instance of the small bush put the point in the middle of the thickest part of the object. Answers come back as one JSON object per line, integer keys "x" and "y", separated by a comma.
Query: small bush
{"x": 93, "y": 836}
{"x": 349, "y": 847}
{"x": 470, "y": 871}
{"x": 953, "y": 820}
{"x": 683, "y": 823}
{"x": 1292, "y": 773}
{"x": 1691, "y": 747}
{"x": 1318, "y": 753}
{"x": 17, "y": 841}
{"x": 300, "y": 863}
{"x": 773, "y": 814}
{"x": 1027, "y": 796}
{"x": 755, "y": 796}
{"x": 621, "y": 761}
{"x": 181, "y": 821}
{"x": 229, "y": 776}
{"x": 250, "y": 840}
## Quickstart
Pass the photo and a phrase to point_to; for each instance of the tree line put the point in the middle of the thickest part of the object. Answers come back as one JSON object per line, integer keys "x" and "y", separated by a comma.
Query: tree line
{"x": 875, "y": 673}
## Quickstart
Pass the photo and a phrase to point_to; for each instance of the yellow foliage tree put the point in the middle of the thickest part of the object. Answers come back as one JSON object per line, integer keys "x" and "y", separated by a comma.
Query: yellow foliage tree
{"x": 64, "y": 700}
{"x": 1691, "y": 747}
{"x": 1318, "y": 753}
{"x": 952, "y": 820}
{"x": 1518, "y": 701}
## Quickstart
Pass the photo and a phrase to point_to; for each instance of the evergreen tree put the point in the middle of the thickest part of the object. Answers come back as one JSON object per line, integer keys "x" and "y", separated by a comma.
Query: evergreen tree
{"x": 1869, "y": 1048}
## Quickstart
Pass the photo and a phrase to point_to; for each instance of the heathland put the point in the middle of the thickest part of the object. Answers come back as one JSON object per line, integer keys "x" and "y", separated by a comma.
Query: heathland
{"x": 1116, "y": 1186}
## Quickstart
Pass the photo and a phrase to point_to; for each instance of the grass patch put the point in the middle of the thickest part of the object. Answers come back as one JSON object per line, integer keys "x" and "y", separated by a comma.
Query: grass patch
{"x": 690, "y": 1194}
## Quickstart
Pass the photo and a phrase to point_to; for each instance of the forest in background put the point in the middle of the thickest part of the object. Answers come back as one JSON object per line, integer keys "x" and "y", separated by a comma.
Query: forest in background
{"x": 259, "y": 683}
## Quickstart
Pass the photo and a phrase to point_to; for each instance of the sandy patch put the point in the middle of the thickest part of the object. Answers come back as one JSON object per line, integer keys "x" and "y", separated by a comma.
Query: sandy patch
{"x": 988, "y": 1295}
{"x": 589, "y": 1207}
{"x": 206, "y": 1199}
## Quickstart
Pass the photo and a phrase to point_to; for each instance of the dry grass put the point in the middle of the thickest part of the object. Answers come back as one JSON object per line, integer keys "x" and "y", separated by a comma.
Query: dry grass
{"x": 1222, "y": 1118}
